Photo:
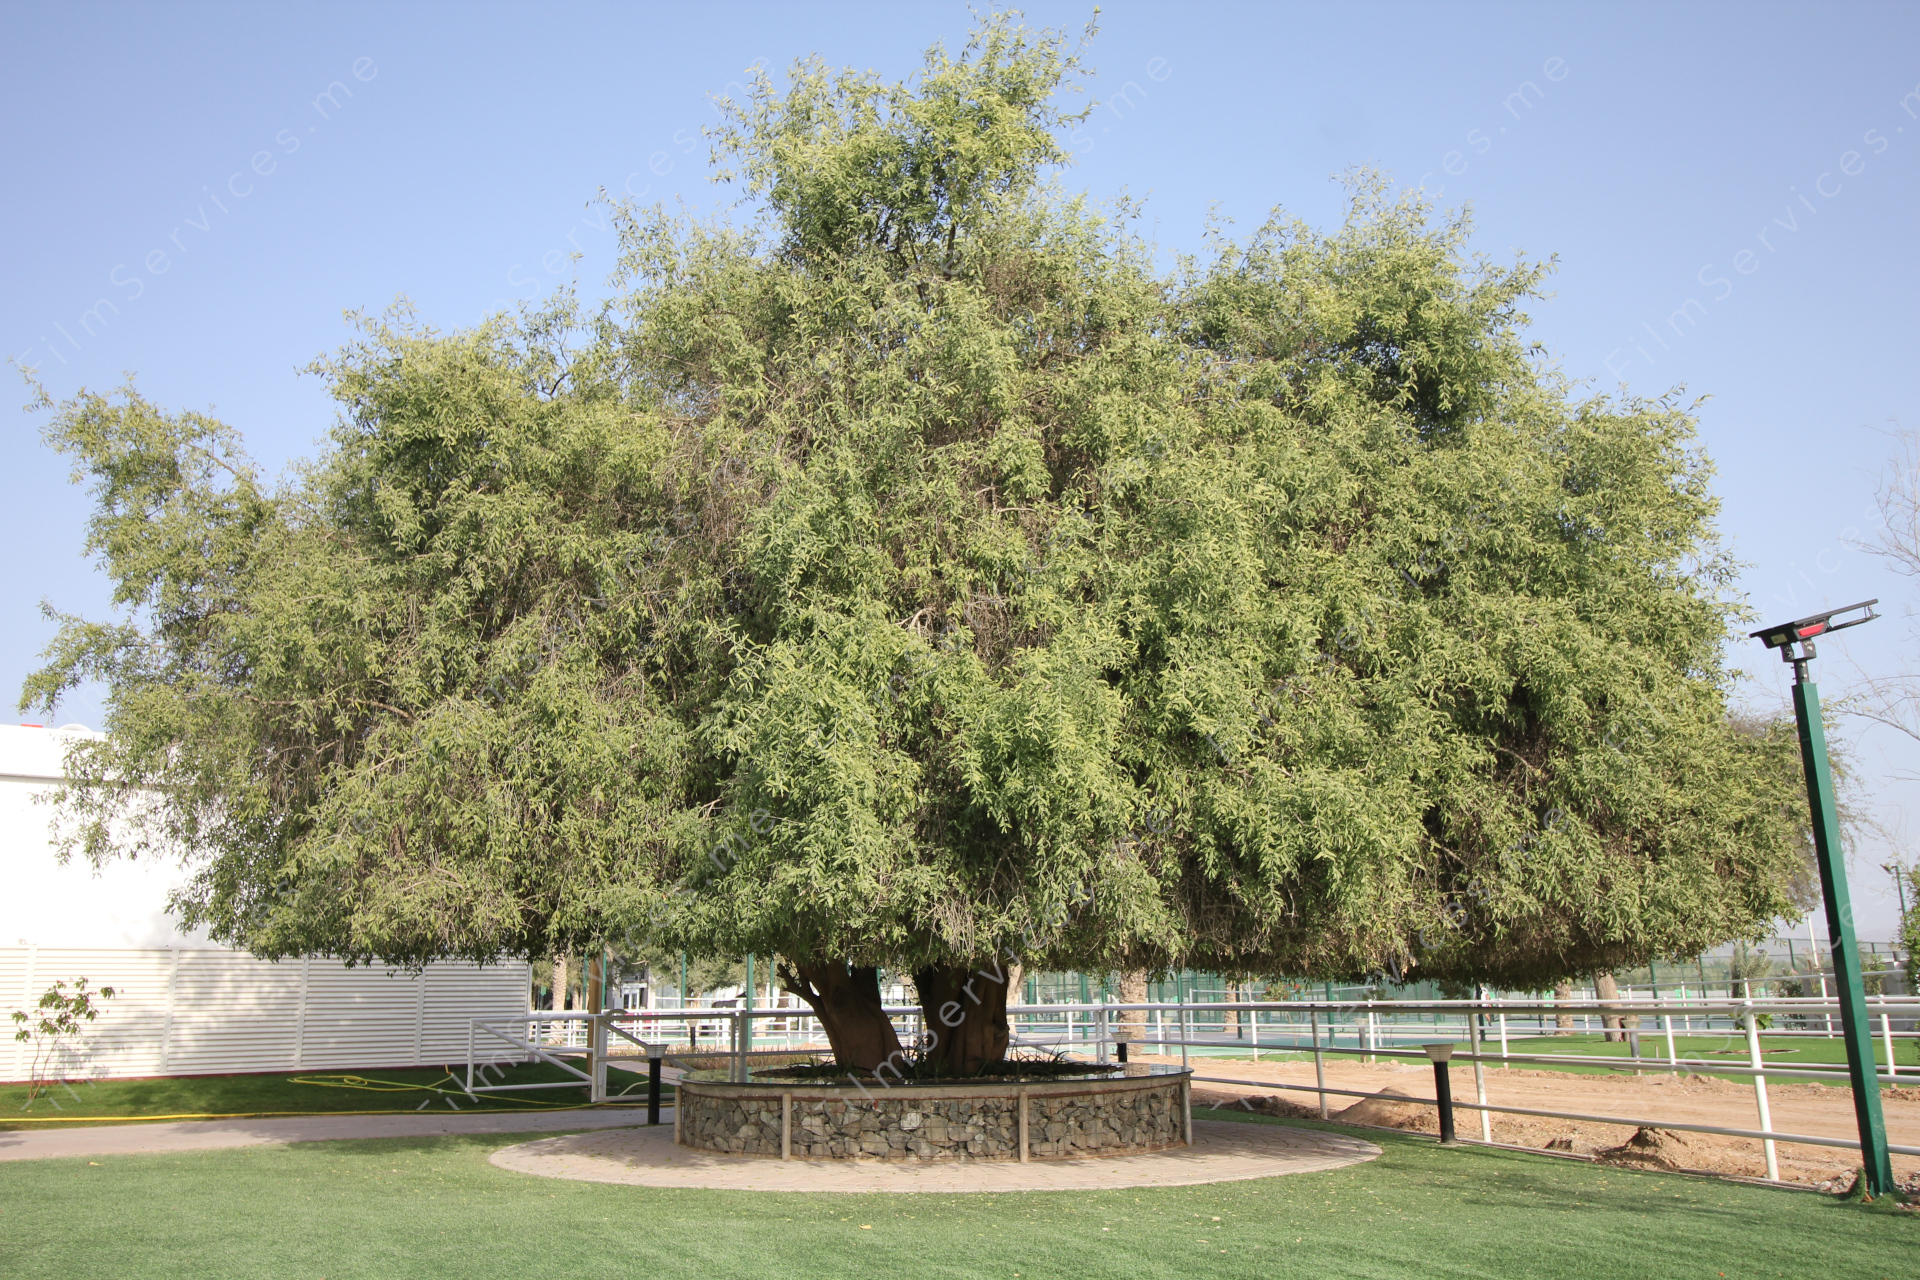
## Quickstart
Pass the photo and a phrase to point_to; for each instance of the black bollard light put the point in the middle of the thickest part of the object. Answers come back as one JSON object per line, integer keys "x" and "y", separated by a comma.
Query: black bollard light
{"x": 655, "y": 1058}
{"x": 1120, "y": 1044}
{"x": 1443, "y": 1088}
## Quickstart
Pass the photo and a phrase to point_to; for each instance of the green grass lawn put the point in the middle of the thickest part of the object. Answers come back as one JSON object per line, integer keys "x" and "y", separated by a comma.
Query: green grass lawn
{"x": 298, "y": 1092}
{"x": 398, "y": 1209}
{"x": 1778, "y": 1051}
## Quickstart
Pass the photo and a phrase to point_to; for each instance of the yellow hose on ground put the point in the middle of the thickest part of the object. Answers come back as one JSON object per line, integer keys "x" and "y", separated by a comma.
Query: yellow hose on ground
{"x": 269, "y": 1115}
{"x": 398, "y": 1086}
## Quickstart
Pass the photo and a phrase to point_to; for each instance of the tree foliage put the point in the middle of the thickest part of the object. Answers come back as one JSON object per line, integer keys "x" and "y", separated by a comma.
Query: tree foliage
{"x": 920, "y": 574}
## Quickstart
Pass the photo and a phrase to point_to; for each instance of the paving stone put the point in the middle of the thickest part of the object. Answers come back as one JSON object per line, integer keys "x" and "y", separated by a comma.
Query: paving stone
{"x": 204, "y": 1135}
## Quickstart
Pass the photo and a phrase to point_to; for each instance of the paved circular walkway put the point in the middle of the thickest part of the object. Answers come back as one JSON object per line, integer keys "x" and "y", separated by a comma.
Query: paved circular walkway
{"x": 1221, "y": 1152}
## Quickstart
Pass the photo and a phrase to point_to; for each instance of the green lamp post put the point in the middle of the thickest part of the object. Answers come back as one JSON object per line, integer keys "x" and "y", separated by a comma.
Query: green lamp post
{"x": 1854, "y": 1027}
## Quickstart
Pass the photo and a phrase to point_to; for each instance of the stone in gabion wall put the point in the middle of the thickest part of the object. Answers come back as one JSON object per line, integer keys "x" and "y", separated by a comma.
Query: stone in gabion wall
{"x": 878, "y": 1127}
{"x": 1104, "y": 1124}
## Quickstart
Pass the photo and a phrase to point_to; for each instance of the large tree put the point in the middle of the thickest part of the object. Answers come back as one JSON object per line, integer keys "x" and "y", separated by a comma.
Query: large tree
{"x": 912, "y": 572}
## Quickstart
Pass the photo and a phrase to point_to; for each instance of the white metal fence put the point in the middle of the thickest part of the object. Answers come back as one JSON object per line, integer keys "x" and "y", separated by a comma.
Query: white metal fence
{"x": 1369, "y": 1030}
{"x": 1469, "y": 1020}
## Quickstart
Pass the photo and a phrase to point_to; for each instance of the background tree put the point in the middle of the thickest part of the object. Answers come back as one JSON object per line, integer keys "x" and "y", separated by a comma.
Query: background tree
{"x": 1910, "y": 925}
{"x": 916, "y": 574}
{"x": 1894, "y": 699}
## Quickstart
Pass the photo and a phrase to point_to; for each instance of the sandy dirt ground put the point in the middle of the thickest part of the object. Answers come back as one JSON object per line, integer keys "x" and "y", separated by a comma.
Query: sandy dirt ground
{"x": 1805, "y": 1108}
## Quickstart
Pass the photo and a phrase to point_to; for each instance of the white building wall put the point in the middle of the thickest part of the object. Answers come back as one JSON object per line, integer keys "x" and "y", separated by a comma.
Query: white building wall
{"x": 184, "y": 1005}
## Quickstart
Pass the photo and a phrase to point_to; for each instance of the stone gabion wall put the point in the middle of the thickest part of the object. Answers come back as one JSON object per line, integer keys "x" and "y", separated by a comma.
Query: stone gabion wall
{"x": 958, "y": 1128}
{"x": 1104, "y": 1124}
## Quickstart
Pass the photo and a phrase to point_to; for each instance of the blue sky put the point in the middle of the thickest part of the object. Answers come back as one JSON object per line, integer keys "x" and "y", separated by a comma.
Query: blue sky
{"x": 198, "y": 194}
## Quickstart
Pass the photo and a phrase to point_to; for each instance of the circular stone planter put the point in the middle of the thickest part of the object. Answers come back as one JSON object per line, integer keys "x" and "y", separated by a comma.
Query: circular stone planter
{"x": 1062, "y": 1118}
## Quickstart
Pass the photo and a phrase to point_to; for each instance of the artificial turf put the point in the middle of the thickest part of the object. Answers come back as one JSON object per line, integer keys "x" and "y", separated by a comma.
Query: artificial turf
{"x": 1730, "y": 1048}
{"x": 1775, "y": 1051}
{"x": 404, "y": 1208}
{"x": 296, "y": 1093}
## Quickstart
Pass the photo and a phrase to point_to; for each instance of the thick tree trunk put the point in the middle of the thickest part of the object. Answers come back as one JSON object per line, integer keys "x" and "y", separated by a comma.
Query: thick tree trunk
{"x": 846, "y": 999}
{"x": 966, "y": 1016}
{"x": 1563, "y": 996}
{"x": 1133, "y": 990}
{"x": 1607, "y": 989}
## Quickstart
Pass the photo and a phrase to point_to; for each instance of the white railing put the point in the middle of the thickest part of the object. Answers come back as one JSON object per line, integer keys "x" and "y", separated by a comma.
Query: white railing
{"x": 1378, "y": 1028}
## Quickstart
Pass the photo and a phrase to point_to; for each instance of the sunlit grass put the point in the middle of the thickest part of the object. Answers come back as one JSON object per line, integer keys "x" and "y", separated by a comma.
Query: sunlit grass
{"x": 402, "y": 1209}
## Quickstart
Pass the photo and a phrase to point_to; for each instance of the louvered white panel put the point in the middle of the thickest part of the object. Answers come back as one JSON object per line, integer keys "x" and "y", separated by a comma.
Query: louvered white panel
{"x": 127, "y": 1038}
{"x": 198, "y": 1011}
{"x": 360, "y": 1017}
{"x": 453, "y": 988}
{"x": 14, "y": 994}
{"x": 233, "y": 1013}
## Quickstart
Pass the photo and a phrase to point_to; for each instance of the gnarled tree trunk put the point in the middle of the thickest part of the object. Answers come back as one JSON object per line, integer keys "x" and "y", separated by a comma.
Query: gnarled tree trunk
{"x": 1607, "y": 989}
{"x": 593, "y": 983}
{"x": 1133, "y": 990}
{"x": 966, "y": 1016}
{"x": 1562, "y": 997}
{"x": 846, "y": 999}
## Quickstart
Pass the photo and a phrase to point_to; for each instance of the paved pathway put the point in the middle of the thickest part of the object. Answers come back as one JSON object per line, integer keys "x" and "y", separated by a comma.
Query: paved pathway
{"x": 202, "y": 1135}
{"x": 1222, "y": 1152}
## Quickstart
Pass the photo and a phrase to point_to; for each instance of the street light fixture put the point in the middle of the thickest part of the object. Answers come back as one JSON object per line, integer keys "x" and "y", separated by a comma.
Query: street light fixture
{"x": 1854, "y": 1028}
{"x": 1801, "y": 631}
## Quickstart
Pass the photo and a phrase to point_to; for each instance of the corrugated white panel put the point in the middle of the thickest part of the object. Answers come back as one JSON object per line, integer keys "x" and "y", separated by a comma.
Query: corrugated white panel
{"x": 194, "y": 1011}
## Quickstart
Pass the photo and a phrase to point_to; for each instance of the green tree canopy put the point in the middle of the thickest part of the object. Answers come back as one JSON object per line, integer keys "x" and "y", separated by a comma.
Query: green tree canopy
{"x": 918, "y": 574}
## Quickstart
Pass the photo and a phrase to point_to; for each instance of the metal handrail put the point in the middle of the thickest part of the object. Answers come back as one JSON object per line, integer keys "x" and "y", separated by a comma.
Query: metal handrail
{"x": 536, "y": 1049}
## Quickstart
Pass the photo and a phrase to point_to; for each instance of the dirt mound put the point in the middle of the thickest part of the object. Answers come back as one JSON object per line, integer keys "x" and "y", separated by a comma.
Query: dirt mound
{"x": 1273, "y": 1104}
{"x": 1270, "y": 1104}
{"x": 1656, "y": 1149}
{"x": 1390, "y": 1109}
